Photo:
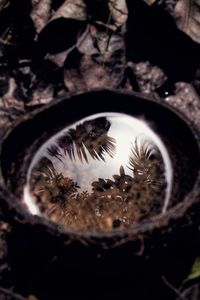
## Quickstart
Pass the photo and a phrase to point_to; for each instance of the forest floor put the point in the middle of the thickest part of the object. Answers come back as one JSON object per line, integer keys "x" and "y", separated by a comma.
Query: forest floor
{"x": 49, "y": 49}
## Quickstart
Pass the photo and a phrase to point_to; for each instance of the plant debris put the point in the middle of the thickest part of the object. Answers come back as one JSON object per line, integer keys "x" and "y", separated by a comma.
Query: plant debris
{"x": 186, "y": 14}
{"x": 149, "y": 78}
{"x": 187, "y": 100}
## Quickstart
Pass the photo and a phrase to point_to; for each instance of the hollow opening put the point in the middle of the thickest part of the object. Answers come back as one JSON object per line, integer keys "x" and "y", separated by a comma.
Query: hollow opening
{"x": 101, "y": 161}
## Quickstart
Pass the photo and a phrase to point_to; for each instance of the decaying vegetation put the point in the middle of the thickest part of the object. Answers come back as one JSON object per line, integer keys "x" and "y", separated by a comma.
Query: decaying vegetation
{"x": 51, "y": 48}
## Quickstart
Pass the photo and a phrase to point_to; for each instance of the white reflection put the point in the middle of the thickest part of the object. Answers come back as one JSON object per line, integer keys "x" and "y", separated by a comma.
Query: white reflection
{"x": 29, "y": 202}
{"x": 124, "y": 130}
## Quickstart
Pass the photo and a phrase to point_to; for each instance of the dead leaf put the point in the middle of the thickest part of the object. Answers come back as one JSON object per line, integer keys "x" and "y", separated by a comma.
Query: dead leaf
{"x": 75, "y": 9}
{"x": 89, "y": 75}
{"x": 10, "y": 107}
{"x": 105, "y": 68}
{"x": 35, "y": 2}
{"x": 108, "y": 13}
{"x": 150, "y": 2}
{"x": 82, "y": 72}
{"x": 187, "y": 101}
{"x": 32, "y": 297}
{"x": 59, "y": 58}
{"x": 186, "y": 14}
{"x": 187, "y": 17}
{"x": 9, "y": 102}
{"x": 119, "y": 11}
{"x": 40, "y": 14}
{"x": 41, "y": 95}
{"x": 3, "y": 4}
{"x": 149, "y": 78}
{"x": 190, "y": 293}
{"x": 85, "y": 43}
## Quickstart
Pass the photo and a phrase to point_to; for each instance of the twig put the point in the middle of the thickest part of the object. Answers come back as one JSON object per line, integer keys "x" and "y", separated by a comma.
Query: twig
{"x": 11, "y": 294}
{"x": 173, "y": 288}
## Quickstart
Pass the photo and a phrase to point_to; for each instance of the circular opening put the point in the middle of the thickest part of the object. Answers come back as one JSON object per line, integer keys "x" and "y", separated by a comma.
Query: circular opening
{"x": 101, "y": 161}
{"x": 106, "y": 171}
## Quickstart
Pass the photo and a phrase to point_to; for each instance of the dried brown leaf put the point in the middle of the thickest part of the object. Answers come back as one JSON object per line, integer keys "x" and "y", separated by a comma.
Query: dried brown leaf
{"x": 149, "y": 78}
{"x": 85, "y": 43}
{"x": 41, "y": 14}
{"x": 89, "y": 74}
{"x": 104, "y": 68}
{"x": 186, "y": 14}
{"x": 42, "y": 96}
{"x": 59, "y": 58}
{"x": 75, "y": 9}
{"x": 187, "y": 101}
{"x": 150, "y": 2}
{"x": 119, "y": 11}
{"x": 187, "y": 17}
{"x": 35, "y": 2}
{"x": 111, "y": 14}
{"x": 190, "y": 293}
{"x": 3, "y": 4}
{"x": 10, "y": 107}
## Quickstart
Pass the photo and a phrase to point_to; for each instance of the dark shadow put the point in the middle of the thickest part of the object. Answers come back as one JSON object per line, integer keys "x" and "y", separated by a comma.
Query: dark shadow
{"x": 16, "y": 32}
{"x": 153, "y": 35}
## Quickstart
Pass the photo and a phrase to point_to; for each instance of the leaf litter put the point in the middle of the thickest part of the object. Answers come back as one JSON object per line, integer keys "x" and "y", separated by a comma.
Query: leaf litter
{"x": 98, "y": 44}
